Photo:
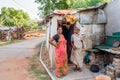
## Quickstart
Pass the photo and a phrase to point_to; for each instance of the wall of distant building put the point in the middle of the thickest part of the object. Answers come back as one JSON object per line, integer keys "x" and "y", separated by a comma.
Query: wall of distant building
{"x": 112, "y": 12}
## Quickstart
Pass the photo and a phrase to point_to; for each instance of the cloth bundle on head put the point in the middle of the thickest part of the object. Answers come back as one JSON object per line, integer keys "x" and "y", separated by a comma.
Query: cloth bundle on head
{"x": 71, "y": 19}
{"x": 68, "y": 25}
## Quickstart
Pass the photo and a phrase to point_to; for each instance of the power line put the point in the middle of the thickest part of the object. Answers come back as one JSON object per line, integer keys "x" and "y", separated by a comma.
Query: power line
{"x": 23, "y": 7}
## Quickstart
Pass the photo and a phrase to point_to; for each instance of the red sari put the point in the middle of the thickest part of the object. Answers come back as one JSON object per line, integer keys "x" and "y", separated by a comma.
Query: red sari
{"x": 61, "y": 57}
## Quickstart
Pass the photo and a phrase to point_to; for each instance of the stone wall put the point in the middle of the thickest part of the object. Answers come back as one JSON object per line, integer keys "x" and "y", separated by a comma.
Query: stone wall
{"x": 92, "y": 27}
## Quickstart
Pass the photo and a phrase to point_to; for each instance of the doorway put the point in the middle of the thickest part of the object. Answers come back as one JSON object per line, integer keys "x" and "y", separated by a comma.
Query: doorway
{"x": 68, "y": 30}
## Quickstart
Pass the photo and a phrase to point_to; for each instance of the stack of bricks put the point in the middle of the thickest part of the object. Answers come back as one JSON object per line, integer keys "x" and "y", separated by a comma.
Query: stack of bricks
{"x": 116, "y": 62}
{"x": 110, "y": 72}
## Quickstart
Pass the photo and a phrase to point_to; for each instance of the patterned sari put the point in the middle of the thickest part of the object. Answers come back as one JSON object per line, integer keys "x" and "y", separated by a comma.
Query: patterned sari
{"x": 61, "y": 57}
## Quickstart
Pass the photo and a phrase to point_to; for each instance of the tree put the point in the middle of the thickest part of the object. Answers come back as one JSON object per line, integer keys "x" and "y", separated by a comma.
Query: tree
{"x": 47, "y": 6}
{"x": 13, "y": 17}
{"x": 33, "y": 25}
{"x": 1, "y": 23}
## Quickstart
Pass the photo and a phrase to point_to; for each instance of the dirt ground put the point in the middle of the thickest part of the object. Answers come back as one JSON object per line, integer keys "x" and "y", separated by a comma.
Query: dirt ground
{"x": 45, "y": 57}
{"x": 22, "y": 69}
{"x": 34, "y": 34}
{"x": 15, "y": 69}
{"x": 27, "y": 68}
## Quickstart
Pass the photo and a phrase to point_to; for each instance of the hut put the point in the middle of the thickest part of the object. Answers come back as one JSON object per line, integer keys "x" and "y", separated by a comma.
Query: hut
{"x": 91, "y": 21}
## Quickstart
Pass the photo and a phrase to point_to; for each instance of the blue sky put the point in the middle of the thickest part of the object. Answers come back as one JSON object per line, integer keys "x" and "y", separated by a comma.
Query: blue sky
{"x": 28, "y": 6}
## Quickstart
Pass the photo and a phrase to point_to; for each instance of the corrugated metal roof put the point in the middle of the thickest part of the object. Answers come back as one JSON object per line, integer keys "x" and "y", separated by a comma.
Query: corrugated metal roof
{"x": 71, "y": 11}
{"x": 101, "y": 6}
{"x": 64, "y": 12}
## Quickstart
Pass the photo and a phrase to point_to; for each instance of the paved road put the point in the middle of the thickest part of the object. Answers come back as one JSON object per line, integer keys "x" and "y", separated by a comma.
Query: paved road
{"x": 21, "y": 49}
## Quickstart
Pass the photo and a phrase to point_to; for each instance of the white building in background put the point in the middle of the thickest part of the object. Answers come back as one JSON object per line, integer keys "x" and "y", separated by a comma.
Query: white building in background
{"x": 112, "y": 12}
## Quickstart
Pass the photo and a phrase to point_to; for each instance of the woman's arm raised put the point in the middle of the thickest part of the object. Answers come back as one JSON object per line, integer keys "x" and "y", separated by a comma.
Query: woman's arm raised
{"x": 52, "y": 43}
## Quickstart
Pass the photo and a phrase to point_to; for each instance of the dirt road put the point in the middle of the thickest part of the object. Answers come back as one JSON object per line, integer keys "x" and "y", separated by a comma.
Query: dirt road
{"x": 14, "y": 59}
{"x": 21, "y": 49}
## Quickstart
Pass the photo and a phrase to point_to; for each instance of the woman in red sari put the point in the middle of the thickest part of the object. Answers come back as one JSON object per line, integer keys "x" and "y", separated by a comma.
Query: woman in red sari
{"x": 60, "y": 53}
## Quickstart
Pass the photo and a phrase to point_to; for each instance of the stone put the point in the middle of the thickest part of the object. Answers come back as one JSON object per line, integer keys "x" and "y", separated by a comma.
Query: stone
{"x": 103, "y": 77}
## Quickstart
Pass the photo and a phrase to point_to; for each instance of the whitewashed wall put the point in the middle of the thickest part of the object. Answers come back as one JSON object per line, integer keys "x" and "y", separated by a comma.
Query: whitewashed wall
{"x": 112, "y": 11}
{"x": 47, "y": 34}
{"x": 52, "y": 27}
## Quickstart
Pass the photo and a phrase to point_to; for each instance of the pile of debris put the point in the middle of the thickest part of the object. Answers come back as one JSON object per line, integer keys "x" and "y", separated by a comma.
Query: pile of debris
{"x": 110, "y": 71}
{"x": 11, "y": 33}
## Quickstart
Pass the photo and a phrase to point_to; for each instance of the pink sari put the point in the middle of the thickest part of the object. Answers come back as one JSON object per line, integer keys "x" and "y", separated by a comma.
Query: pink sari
{"x": 61, "y": 57}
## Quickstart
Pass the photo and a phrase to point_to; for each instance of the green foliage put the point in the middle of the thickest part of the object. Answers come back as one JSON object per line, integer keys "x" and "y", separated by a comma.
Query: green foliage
{"x": 37, "y": 69}
{"x": 32, "y": 25}
{"x": 47, "y": 6}
{"x": 88, "y": 3}
{"x": 13, "y": 17}
{"x": 81, "y": 4}
{"x": 1, "y": 23}
{"x": 41, "y": 27}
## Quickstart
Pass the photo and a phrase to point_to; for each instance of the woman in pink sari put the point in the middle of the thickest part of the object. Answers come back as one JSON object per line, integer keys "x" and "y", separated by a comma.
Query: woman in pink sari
{"x": 60, "y": 53}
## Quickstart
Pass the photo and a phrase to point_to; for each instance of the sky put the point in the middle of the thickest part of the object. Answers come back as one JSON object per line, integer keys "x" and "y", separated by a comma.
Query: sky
{"x": 28, "y": 6}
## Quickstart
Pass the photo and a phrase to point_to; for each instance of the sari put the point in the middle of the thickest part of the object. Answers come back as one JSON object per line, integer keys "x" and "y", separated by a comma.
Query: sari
{"x": 61, "y": 57}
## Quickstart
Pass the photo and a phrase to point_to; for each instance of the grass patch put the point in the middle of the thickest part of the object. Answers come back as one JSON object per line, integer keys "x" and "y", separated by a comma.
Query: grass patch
{"x": 37, "y": 69}
{"x": 10, "y": 42}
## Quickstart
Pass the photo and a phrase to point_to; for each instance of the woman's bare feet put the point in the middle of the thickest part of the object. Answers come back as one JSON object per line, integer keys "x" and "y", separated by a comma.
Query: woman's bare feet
{"x": 79, "y": 69}
{"x": 75, "y": 69}
{"x": 58, "y": 76}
